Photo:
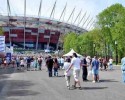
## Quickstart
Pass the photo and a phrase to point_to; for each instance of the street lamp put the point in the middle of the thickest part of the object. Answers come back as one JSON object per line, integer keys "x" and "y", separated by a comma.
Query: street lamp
{"x": 116, "y": 44}
{"x": 94, "y": 48}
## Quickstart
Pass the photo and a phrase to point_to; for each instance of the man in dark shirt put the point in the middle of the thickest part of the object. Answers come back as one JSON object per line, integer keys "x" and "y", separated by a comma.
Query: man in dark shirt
{"x": 49, "y": 64}
{"x": 28, "y": 63}
{"x": 84, "y": 68}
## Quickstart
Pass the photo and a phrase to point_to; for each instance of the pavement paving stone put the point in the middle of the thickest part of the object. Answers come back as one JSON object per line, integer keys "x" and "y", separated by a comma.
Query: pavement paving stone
{"x": 36, "y": 85}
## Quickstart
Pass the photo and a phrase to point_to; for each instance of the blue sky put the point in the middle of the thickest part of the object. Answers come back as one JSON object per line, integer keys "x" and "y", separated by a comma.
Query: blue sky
{"x": 93, "y": 7}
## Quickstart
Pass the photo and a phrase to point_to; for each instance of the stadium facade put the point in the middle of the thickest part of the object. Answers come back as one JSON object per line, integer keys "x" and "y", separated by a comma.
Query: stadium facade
{"x": 35, "y": 32}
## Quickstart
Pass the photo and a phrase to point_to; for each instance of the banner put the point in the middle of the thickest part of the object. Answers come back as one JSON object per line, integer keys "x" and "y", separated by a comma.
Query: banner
{"x": 2, "y": 43}
{"x": 8, "y": 56}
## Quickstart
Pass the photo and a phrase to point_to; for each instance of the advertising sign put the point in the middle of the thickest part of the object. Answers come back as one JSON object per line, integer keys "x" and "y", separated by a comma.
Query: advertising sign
{"x": 8, "y": 56}
{"x": 2, "y": 43}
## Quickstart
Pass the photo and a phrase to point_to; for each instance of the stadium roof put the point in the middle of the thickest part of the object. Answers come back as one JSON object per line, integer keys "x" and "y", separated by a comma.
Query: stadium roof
{"x": 81, "y": 21}
{"x": 42, "y": 23}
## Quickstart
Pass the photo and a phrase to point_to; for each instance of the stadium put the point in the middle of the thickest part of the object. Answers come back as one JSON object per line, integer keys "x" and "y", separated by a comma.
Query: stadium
{"x": 37, "y": 32}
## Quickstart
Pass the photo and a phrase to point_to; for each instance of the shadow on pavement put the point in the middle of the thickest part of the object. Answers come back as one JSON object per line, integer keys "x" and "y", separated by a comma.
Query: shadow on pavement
{"x": 9, "y": 70}
{"x": 18, "y": 88}
{"x": 60, "y": 76}
{"x": 21, "y": 93}
{"x": 88, "y": 88}
{"x": 93, "y": 88}
{"x": 108, "y": 80}
{"x": 4, "y": 76}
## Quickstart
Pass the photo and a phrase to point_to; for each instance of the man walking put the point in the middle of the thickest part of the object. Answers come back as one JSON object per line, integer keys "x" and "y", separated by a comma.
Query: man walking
{"x": 84, "y": 68}
{"x": 49, "y": 64}
{"x": 95, "y": 69}
{"x": 76, "y": 64}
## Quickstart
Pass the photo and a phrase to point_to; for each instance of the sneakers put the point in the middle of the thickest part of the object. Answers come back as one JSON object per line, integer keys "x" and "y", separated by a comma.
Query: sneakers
{"x": 80, "y": 88}
{"x": 74, "y": 86}
{"x": 93, "y": 81}
{"x": 68, "y": 87}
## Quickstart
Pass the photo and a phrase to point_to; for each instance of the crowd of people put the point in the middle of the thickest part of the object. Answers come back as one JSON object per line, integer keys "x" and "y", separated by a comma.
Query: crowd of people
{"x": 73, "y": 65}
{"x": 70, "y": 65}
{"x": 31, "y": 63}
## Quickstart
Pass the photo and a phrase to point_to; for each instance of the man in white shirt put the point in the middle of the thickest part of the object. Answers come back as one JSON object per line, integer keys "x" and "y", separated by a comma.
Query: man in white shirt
{"x": 76, "y": 64}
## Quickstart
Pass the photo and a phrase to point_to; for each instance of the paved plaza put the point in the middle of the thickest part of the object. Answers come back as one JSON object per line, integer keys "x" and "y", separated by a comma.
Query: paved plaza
{"x": 36, "y": 85}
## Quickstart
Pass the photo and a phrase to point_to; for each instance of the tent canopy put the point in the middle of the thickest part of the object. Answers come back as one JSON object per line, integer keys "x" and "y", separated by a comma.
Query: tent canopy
{"x": 71, "y": 53}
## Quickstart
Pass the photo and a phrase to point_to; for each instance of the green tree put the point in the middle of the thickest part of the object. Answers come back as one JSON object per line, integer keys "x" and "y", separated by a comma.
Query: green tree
{"x": 70, "y": 41}
{"x": 109, "y": 28}
{"x": 1, "y": 31}
{"x": 111, "y": 21}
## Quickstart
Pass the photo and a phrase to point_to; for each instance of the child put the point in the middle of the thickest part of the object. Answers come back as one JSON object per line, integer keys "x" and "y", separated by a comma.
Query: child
{"x": 67, "y": 74}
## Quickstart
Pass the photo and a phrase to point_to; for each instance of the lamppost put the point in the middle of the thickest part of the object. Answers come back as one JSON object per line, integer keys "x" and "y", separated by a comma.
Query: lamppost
{"x": 116, "y": 44}
{"x": 94, "y": 48}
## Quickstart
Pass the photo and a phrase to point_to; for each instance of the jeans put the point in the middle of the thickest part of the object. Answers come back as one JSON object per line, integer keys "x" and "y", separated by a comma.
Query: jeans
{"x": 50, "y": 72}
{"x": 28, "y": 66}
{"x": 110, "y": 66}
{"x": 123, "y": 76}
{"x": 85, "y": 73}
{"x": 55, "y": 71}
{"x": 18, "y": 64}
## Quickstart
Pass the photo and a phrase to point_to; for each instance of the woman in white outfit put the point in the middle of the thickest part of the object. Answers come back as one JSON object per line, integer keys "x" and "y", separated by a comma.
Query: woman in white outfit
{"x": 22, "y": 63}
{"x": 110, "y": 63}
{"x": 67, "y": 74}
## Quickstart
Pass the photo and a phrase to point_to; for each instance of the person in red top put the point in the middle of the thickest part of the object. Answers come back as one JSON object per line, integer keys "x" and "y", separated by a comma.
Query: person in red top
{"x": 105, "y": 64}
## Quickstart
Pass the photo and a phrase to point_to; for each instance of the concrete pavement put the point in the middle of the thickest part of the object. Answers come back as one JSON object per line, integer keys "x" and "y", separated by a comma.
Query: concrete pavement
{"x": 36, "y": 85}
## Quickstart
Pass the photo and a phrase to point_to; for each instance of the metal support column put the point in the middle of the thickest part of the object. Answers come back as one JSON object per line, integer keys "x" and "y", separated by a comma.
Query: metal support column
{"x": 9, "y": 12}
{"x": 24, "y": 22}
{"x": 39, "y": 14}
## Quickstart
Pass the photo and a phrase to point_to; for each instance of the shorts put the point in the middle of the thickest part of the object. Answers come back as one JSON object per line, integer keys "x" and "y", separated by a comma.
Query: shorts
{"x": 95, "y": 71}
{"x": 76, "y": 74}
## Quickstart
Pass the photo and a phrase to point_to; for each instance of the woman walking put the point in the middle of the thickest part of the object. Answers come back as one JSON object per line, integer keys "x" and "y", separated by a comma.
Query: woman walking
{"x": 55, "y": 66}
{"x": 67, "y": 75}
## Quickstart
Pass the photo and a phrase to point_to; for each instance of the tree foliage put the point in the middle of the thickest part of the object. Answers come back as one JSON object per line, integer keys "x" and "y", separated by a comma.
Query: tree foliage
{"x": 110, "y": 28}
{"x": 70, "y": 41}
{"x": 112, "y": 21}
{"x": 1, "y": 31}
